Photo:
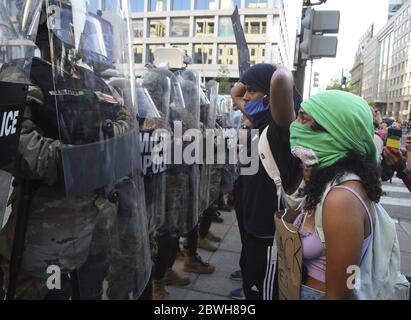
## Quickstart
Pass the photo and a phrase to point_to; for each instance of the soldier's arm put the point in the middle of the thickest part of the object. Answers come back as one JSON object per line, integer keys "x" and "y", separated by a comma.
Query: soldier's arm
{"x": 281, "y": 98}
{"x": 38, "y": 155}
{"x": 125, "y": 119}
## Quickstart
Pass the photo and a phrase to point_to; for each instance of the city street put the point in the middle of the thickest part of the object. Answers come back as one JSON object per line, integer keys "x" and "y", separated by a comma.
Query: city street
{"x": 217, "y": 286}
{"x": 397, "y": 202}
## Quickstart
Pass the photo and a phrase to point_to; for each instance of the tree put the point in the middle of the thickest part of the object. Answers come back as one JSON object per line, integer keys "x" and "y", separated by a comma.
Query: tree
{"x": 337, "y": 85}
{"x": 223, "y": 78}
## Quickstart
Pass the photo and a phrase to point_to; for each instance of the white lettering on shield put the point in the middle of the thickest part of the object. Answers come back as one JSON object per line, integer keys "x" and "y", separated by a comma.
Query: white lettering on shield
{"x": 9, "y": 123}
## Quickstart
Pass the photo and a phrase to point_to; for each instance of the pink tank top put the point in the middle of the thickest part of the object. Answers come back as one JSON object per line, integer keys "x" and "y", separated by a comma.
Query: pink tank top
{"x": 313, "y": 249}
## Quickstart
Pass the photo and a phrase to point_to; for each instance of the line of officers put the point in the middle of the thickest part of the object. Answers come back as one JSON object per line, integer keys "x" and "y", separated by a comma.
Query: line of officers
{"x": 86, "y": 215}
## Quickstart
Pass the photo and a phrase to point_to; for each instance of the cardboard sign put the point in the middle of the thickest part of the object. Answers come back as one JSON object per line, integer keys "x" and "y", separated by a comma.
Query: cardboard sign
{"x": 290, "y": 256}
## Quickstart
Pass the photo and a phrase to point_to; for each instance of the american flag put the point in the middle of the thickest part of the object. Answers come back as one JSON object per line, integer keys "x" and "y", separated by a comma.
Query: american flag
{"x": 106, "y": 97}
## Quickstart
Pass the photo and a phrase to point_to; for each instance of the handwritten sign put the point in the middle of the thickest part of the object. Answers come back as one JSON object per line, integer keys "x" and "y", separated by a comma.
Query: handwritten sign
{"x": 290, "y": 258}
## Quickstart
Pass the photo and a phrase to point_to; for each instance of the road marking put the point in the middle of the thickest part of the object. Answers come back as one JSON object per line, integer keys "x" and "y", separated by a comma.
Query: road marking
{"x": 397, "y": 180}
{"x": 395, "y": 189}
{"x": 396, "y": 201}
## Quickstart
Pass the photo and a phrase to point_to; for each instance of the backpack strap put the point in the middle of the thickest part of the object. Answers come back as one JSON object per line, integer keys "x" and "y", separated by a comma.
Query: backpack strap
{"x": 269, "y": 164}
{"x": 319, "y": 210}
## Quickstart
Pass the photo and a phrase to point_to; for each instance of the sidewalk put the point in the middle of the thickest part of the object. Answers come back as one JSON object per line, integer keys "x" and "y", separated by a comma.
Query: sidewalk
{"x": 217, "y": 286}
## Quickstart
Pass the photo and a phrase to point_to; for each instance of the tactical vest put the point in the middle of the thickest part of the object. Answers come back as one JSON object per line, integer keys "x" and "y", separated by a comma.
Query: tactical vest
{"x": 77, "y": 109}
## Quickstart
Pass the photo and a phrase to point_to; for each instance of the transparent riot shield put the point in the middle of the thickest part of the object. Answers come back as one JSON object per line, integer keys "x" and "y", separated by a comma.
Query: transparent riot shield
{"x": 18, "y": 28}
{"x": 153, "y": 109}
{"x": 182, "y": 181}
{"x": 88, "y": 226}
{"x": 208, "y": 115}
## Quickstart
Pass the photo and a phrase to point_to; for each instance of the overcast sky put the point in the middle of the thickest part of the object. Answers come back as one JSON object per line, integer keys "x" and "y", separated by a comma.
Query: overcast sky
{"x": 356, "y": 17}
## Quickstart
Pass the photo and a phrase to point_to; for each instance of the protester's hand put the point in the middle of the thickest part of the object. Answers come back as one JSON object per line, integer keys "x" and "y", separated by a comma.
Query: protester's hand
{"x": 238, "y": 91}
{"x": 394, "y": 158}
{"x": 408, "y": 143}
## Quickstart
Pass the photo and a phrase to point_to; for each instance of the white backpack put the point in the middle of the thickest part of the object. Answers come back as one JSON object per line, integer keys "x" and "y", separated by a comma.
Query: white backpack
{"x": 292, "y": 201}
{"x": 380, "y": 270}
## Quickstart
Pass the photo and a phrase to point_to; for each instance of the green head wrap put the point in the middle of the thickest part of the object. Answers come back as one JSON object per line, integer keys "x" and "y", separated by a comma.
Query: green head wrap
{"x": 348, "y": 125}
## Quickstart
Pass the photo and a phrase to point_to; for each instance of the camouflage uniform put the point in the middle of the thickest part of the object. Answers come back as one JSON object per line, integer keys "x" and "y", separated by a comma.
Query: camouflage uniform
{"x": 59, "y": 230}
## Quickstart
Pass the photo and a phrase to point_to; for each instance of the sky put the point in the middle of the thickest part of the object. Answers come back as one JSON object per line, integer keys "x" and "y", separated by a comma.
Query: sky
{"x": 356, "y": 18}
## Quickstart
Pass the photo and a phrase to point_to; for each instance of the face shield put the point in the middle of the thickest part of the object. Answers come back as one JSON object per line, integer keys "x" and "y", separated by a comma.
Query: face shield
{"x": 18, "y": 29}
{"x": 146, "y": 109}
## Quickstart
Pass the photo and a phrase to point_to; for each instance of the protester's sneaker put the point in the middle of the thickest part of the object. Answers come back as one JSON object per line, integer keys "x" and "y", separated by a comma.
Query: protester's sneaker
{"x": 212, "y": 237}
{"x": 237, "y": 294}
{"x": 159, "y": 290}
{"x": 172, "y": 278}
{"x": 203, "y": 243}
{"x": 236, "y": 276}
{"x": 195, "y": 264}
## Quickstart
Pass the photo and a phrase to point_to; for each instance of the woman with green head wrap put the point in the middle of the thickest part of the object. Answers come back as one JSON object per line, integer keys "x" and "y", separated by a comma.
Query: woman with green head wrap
{"x": 333, "y": 137}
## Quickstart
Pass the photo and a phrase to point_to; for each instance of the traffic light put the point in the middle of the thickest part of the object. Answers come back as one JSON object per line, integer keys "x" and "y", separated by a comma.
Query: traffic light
{"x": 316, "y": 79}
{"x": 315, "y": 44}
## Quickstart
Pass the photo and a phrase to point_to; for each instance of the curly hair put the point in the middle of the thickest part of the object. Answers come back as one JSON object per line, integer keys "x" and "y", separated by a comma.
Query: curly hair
{"x": 354, "y": 162}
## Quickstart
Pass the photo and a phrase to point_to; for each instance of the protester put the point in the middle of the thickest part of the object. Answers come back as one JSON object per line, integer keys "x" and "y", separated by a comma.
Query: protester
{"x": 333, "y": 137}
{"x": 400, "y": 162}
{"x": 265, "y": 96}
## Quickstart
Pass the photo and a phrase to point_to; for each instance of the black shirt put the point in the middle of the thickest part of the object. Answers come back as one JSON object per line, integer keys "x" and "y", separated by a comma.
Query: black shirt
{"x": 258, "y": 192}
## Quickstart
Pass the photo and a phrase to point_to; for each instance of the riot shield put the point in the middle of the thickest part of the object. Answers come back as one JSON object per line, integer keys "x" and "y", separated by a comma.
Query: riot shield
{"x": 89, "y": 224}
{"x": 208, "y": 116}
{"x": 182, "y": 182}
{"x": 18, "y": 28}
{"x": 190, "y": 84}
{"x": 153, "y": 109}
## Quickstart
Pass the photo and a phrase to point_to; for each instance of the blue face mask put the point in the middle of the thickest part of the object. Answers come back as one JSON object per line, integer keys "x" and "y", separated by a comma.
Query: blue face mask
{"x": 256, "y": 106}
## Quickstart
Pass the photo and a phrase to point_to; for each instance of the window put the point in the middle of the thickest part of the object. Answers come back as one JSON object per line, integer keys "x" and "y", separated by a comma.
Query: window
{"x": 157, "y": 5}
{"x": 257, "y": 53}
{"x": 93, "y": 6}
{"x": 138, "y": 53}
{"x": 226, "y": 27}
{"x": 229, "y": 4}
{"x": 180, "y": 5}
{"x": 203, "y": 54}
{"x": 111, "y": 5}
{"x": 138, "y": 28}
{"x": 184, "y": 47}
{"x": 205, "y": 4}
{"x": 227, "y": 54}
{"x": 157, "y": 28}
{"x": 254, "y": 4}
{"x": 255, "y": 25}
{"x": 180, "y": 27}
{"x": 136, "y": 5}
{"x": 204, "y": 27}
{"x": 150, "y": 51}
